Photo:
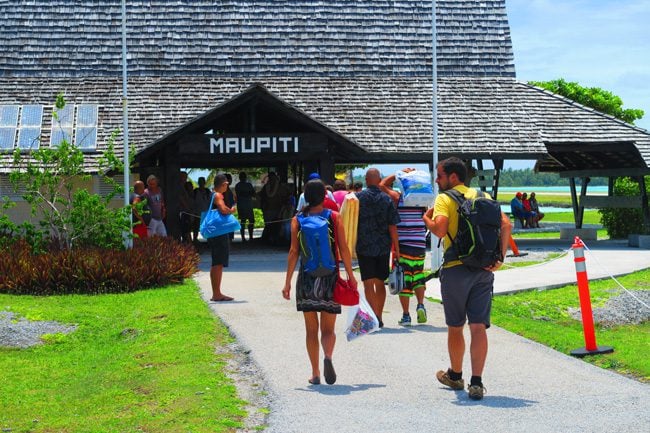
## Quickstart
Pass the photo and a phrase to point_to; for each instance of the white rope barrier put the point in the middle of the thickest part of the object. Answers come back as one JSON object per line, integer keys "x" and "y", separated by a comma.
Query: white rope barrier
{"x": 265, "y": 222}
{"x": 563, "y": 254}
{"x": 614, "y": 278}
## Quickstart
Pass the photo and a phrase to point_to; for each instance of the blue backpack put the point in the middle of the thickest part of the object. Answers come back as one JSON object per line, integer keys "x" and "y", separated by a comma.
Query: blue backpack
{"x": 316, "y": 244}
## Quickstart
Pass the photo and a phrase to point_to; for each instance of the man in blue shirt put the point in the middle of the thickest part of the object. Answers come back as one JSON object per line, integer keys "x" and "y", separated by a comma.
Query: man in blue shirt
{"x": 517, "y": 210}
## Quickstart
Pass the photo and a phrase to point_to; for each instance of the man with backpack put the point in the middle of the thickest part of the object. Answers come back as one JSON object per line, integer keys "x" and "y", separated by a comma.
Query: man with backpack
{"x": 476, "y": 235}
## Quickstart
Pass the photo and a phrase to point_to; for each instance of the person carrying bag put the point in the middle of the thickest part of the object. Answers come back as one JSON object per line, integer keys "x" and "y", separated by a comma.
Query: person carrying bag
{"x": 214, "y": 223}
{"x": 312, "y": 240}
{"x": 216, "y": 226}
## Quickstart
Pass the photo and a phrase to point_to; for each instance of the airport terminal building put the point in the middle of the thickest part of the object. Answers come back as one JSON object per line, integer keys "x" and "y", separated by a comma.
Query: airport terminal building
{"x": 288, "y": 84}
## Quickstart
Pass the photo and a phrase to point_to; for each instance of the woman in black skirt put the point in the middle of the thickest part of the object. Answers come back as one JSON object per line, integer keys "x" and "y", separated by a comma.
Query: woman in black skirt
{"x": 314, "y": 294}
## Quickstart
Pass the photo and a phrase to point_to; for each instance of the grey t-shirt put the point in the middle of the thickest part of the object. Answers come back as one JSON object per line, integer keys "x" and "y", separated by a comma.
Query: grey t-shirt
{"x": 155, "y": 202}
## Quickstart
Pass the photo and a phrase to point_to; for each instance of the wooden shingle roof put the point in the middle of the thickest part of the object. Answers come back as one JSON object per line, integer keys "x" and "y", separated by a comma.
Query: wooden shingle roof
{"x": 391, "y": 118}
{"x": 236, "y": 38}
{"x": 359, "y": 67}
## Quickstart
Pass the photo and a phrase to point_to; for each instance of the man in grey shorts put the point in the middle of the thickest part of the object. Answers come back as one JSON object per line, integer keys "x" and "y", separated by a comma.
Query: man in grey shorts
{"x": 466, "y": 292}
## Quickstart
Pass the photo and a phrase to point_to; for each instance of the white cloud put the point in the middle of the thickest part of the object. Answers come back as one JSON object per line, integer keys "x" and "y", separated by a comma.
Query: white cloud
{"x": 597, "y": 43}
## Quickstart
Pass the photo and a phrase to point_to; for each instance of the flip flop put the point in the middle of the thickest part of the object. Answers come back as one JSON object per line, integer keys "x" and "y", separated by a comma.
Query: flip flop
{"x": 314, "y": 380}
{"x": 223, "y": 299}
{"x": 329, "y": 373}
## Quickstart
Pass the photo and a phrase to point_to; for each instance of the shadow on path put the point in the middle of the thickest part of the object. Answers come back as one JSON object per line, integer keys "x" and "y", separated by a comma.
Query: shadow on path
{"x": 340, "y": 389}
{"x": 495, "y": 401}
{"x": 410, "y": 329}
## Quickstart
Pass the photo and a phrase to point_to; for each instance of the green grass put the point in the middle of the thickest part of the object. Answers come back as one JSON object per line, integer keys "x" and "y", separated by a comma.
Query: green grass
{"x": 142, "y": 361}
{"x": 600, "y": 233}
{"x": 591, "y": 216}
{"x": 543, "y": 316}
{"x": 543, "y": 198}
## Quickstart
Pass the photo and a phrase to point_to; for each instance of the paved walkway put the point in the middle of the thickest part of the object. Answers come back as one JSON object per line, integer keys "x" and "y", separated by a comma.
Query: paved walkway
{"x": 386, "y": 380}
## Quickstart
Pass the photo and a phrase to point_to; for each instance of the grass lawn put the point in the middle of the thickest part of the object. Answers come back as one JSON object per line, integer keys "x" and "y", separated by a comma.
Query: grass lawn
{"x": 601, "y": 234}
{"x": 591, "y": 216}
{"x": 141, "y": 361}
{"x": 543, "y": 198}
{"x": 543, "y": 316}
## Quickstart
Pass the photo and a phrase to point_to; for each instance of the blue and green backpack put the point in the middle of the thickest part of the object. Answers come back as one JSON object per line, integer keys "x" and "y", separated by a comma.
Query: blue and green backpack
{"x": 316, "y": 239}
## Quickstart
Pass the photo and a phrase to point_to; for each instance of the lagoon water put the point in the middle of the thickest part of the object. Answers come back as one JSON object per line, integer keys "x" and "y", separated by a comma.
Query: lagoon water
{"x": 562, "y": 189}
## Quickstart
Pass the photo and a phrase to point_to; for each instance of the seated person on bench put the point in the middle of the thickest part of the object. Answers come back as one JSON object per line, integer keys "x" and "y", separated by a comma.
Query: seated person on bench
{"x": 517, "y": 210}
{"x": 534, "y": 206}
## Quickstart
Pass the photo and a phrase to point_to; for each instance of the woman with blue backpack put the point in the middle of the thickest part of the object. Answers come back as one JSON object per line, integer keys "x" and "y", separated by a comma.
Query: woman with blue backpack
{"x": 317, "y": 238}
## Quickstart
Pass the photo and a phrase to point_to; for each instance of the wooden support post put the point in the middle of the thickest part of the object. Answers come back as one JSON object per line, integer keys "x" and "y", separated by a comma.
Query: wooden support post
{"x": 479, "y": 167}
{"x": 326, "y": 169}
{"x": 581, "y": 205}
{"x": 574, "y": 201}
{"x": 645, "y": 209}
{"x": 498, "y": 166}
{"x": 170, "y": 184}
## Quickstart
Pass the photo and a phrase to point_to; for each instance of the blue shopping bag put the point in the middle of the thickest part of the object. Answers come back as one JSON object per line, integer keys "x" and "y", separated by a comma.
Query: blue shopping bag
{"x": 213, "y": 223}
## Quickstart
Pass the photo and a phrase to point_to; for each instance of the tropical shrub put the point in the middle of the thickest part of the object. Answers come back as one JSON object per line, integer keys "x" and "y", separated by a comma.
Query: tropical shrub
{"x": 151, "y": 262}
{"x": 71, "y": 216}
{"x": 622, "y": 222}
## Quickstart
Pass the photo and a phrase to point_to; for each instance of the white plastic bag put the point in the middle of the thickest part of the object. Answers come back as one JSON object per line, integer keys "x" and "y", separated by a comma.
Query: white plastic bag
{"x": 361, "y": 319}
{"x": 416, "y": 188}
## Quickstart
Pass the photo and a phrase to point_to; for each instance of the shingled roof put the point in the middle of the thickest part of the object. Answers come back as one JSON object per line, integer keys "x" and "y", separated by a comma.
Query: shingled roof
{"x": 361, "y": 68}
{"x": 391, "y": 119}
{"x": 233, "y": 38}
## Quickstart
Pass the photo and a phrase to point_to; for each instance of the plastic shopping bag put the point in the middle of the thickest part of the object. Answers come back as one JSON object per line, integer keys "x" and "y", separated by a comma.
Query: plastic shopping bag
{"x": 396, "y": 280}
{"x": 416, "y": 188}
{"x": 361, "y": 319}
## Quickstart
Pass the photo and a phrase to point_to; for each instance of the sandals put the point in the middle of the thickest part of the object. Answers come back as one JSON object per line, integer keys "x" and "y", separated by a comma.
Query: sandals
{"x": 330, "y": 374}
{"x": 314, "y": 380}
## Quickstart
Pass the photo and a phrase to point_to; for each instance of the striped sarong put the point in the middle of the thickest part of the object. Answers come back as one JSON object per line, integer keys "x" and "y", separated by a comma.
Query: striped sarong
{"x": 412, "y": 261}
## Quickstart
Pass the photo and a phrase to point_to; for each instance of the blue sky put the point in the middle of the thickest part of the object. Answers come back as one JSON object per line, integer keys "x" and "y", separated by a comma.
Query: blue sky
{"x": 596, "y": 43}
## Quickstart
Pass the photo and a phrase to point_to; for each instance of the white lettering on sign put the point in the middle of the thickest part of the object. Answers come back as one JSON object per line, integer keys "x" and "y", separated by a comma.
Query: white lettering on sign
{"x": 254, "y": 145}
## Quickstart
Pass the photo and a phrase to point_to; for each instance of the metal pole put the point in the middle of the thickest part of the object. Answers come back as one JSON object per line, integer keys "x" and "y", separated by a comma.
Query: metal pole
{"x": 436, "y": 256}
{"x": 125, "y": 118}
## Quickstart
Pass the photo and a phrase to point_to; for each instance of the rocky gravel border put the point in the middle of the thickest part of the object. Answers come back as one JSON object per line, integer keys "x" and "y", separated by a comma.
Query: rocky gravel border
{"x": 18, "y": 332}
{"x": 622, "y": 309}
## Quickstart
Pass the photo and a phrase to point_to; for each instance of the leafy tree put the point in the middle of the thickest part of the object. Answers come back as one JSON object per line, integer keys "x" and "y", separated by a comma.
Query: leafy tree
{"x": 527, "y": 177}
{"x": 594, "y": 97}
{"x": 69, "y": 216}
{"x": 621, "y": 222}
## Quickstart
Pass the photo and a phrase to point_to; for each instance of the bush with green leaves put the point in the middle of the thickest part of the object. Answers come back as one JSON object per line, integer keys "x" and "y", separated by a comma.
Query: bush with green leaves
{"x": 71, "y": 216}
{"x": 152, "y": 262}
{"x": 622, "y": 222}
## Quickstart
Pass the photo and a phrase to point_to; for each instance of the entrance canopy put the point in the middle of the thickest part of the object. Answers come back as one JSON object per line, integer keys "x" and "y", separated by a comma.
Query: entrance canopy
{"x": 253, "y": 129}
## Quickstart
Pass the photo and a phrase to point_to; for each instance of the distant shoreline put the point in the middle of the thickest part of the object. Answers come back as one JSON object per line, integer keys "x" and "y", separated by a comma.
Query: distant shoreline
{"x": 551, "y": 190}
